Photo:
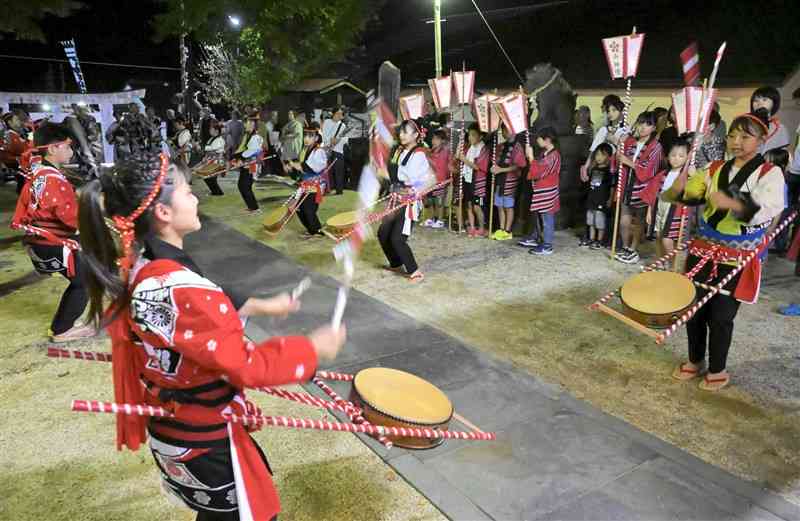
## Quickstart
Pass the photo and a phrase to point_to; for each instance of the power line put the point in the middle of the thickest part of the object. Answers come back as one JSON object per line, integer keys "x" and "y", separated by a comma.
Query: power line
{"x": 105, "y": 64}
{"x": 521, "y": 79}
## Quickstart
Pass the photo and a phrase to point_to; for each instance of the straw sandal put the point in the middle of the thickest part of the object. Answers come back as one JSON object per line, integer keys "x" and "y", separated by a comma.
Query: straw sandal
{"x": 685, "y": 372}
{"x": 714, "y": 383}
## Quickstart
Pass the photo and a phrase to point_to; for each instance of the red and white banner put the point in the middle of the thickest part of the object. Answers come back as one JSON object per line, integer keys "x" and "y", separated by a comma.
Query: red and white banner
{"x": 485, "y": 113}
{"x": 464, "y": 86}
{"x": 412, "y": 107}
{"x": 622, "y": 54}
{"x": 441, "y": 91}
{"x": 690, "y": 59}
{"x": 513, "y": 110}
{"x": 688, "y": 111}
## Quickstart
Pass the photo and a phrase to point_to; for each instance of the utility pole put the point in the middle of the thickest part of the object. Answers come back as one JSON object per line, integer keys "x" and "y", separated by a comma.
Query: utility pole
{"x": 437, "y": 34}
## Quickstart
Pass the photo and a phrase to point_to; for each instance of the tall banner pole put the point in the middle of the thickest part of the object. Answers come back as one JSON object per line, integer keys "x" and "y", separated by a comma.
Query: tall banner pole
{"x": 707, "y": 94}
{"x": 437, "y": 35}
{"x": 461, "y": 148}
{"x": 620, "y": 60}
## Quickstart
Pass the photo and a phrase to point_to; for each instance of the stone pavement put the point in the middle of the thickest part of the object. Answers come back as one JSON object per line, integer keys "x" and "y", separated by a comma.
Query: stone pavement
{"x": 556, "y": 457}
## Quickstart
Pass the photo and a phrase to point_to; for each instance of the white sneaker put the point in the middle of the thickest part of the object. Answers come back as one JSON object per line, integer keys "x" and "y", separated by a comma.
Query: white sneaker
{"x": 428, "y": 223}
{"x": 438, "y": 224}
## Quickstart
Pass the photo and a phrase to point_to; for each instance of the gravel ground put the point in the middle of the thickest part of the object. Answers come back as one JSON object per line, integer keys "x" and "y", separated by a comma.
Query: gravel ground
{"x": 532, "y": 311}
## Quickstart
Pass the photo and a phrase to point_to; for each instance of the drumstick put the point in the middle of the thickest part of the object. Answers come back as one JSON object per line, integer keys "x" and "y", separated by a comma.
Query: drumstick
{"x": 338, "y": 310}
{"x": 344, "y": 290}
{"x": 301, "y": 288}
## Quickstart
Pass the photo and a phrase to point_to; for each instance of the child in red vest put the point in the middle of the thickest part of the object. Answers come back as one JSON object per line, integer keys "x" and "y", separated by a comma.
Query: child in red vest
{"x": 545, "y": 174}
{"x": 47, "y": 211}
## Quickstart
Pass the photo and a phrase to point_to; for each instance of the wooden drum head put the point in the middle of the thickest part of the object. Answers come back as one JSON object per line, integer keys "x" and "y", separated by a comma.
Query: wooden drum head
{"x": 273, "y": 220}
{"x": 342, "y": 222}
{"x": 657, "y": 298}
{"x": 398, "y": 399}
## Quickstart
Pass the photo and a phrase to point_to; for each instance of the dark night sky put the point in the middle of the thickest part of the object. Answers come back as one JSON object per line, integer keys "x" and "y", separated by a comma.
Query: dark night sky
{"x": 762, "y": 46}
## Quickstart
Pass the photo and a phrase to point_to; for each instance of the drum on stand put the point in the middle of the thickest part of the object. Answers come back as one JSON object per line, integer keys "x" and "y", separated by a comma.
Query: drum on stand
{"x": 342, "y": 223}
{"x": 656, "y": 299}
{"x": 276, "y": 219}
{"x": 395, "y": 398}
{"x": 208, "y": 168}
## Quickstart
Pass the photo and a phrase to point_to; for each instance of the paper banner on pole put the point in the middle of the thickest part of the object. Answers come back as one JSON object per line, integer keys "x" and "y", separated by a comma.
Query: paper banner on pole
{"x": 441, "y": 90}
{"x": 485, "y": 113}
{"x": 687, "y": 109}
{"x": 464, "y": 86}
{"x": 412, "y": 107}
{"x": 513, "y": 111}
{"x": 72, "y": 57}
{"x": 622, "y": 54}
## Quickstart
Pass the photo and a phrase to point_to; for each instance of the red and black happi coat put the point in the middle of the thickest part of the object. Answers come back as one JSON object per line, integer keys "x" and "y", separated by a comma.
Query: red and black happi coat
{"x": 48, "y": 206}
{"x": 508, "y": 154}
{"x": 545, "y": 175}
{"x": 641, "y": 189}
{"x": 180, "y": 344}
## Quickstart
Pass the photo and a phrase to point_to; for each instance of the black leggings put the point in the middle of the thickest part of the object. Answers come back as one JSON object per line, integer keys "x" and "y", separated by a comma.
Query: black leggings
{"x": 245, "y": 185}
{"x": 307, "y": 213}
{"x": 75, "y": 297}
{"x": 213, "y": 184}
{"x": 395, "y": 244}
{"x": 711, "y": 328}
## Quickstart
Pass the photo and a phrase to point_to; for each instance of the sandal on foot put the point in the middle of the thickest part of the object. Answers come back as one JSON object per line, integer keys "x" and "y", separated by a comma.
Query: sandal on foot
{"x": 714, "y": 383}
{"x": 417, "y": 276}
{"x": 686, "y": 372}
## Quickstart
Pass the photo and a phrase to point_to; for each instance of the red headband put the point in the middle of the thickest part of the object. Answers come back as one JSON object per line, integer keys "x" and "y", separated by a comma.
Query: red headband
{"x": 125, "y": 226}
{"x": 757, "y": 120}
{"x": 26, "y": 158}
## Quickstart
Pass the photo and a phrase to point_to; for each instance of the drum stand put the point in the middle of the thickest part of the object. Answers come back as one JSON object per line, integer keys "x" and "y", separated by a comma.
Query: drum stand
{"x": 337, "y": 403}
{"x": 290, "y": 211}
{"x": 663, "y": 264}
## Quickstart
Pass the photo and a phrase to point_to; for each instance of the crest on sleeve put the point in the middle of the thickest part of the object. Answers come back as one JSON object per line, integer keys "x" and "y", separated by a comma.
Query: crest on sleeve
{"x": 153, "y": 306}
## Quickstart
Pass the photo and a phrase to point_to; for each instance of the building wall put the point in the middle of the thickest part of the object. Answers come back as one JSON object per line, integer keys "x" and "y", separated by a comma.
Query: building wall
{"x": 732, "y": 101}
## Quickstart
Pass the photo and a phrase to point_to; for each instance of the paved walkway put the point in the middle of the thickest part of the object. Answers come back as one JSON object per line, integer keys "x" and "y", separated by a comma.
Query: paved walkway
{"x": 556, "y": 457}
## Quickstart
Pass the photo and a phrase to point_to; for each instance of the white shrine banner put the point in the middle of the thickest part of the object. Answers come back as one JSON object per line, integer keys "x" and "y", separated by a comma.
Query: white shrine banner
{"x": 441, "y": 91}
{"x": 513, "y": 110}
{"x": 688, "y": 111}
{"x": 622, "y": 54}
{"x": 486, "y": 114}
{"x": 413, "y": 106}
{"x": 464, "y": 86}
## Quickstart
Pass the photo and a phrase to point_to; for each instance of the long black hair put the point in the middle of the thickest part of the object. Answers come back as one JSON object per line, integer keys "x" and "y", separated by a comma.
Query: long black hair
{"x": 649, "y": 117}
{"x": 117, "y": 192}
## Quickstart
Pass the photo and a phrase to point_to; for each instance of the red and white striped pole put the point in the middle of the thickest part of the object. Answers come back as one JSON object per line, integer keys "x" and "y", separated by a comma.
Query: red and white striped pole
{"x": 284, "y": 421}
{"x": 729, "y": 277}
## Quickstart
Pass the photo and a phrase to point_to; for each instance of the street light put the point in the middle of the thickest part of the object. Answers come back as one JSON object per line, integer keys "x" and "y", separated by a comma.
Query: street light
{"x": 235, "y": 20}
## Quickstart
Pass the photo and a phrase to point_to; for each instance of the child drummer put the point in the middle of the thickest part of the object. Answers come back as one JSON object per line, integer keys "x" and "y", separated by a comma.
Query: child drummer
{"x": 742, "y": 196}
{"x": 311, "y": 165}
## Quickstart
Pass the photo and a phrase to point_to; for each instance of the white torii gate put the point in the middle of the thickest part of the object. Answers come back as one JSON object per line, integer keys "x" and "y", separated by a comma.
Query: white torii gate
{"x": 60, "y": 106}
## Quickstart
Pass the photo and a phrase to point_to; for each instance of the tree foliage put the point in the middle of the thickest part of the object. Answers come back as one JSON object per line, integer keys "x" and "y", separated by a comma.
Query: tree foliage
{"x": 280, "y": 42}
{"x": 21, "y": 18}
